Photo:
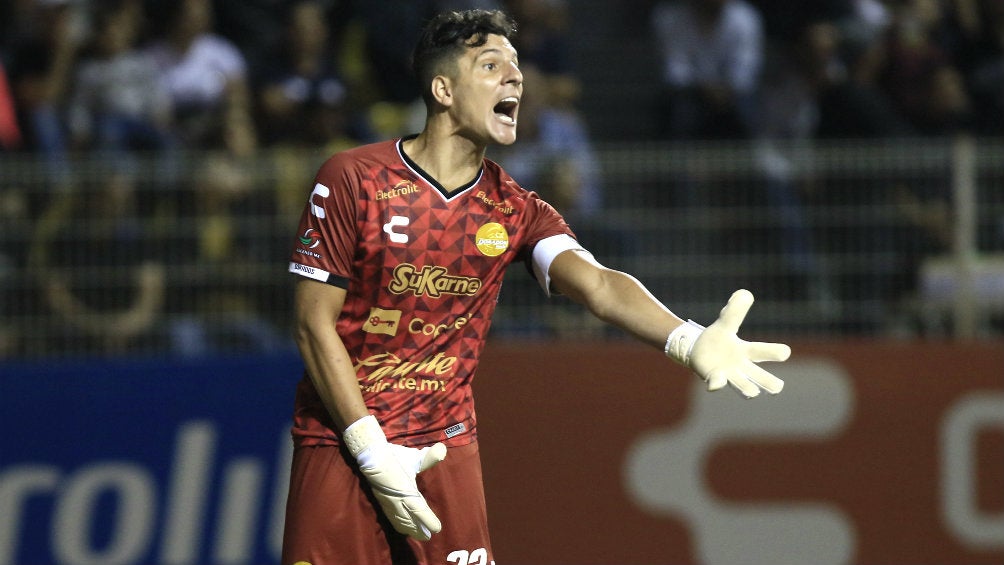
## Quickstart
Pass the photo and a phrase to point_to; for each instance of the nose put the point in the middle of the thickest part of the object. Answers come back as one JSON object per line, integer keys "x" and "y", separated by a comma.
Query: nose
{"x": 514, "y": 76}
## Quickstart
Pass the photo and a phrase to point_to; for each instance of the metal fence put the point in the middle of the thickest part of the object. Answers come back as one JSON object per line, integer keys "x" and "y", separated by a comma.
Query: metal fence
{"x": 186, "y": 254}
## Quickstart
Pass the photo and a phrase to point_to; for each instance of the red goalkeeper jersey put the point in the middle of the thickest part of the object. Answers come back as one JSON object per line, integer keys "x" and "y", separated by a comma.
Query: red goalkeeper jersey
{"x": 422, "y": 269}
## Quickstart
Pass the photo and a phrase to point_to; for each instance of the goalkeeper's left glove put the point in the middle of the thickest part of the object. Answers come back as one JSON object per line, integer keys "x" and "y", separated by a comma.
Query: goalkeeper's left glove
{"x": 720, "y": 357}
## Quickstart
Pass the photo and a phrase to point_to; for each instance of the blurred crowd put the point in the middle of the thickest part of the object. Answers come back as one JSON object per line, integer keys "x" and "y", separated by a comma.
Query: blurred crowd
{"x": 830, "y": 68}
{"x": 179, "y": 100}
{"x": 152, "y": 125}
{"x": 240, "y": 75}
{"x": 113, "y": 75}
{"x": 783, "y": 75}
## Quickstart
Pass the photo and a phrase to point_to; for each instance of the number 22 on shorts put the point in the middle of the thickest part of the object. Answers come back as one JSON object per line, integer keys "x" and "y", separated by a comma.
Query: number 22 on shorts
{"x": 462, "y": 557}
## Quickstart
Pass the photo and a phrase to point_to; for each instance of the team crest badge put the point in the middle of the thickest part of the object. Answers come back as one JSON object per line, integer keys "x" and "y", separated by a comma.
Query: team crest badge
{"x": 492, "y": 239}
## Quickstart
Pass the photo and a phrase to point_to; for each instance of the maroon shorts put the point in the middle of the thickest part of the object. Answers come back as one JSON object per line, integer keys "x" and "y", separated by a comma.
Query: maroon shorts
{"x": 332, "y": 518}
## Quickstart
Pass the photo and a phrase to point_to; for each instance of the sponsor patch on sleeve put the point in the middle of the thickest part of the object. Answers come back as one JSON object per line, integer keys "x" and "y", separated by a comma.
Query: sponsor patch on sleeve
{"x": 309, "y": 272}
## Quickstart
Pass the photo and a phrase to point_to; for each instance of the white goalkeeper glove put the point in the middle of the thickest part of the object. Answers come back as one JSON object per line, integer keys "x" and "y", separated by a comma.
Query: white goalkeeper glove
{"x": 720, "y": 357}
{"x": 390, "y": 470}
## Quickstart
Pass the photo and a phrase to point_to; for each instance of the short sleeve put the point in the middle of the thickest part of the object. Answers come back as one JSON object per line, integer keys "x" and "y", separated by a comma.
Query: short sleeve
{"x": 327, "y": 234}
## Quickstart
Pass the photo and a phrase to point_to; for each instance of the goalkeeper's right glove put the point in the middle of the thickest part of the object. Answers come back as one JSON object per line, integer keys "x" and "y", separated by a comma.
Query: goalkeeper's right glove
{"x": 720, "y": 357}
{"x": 390, "y": 470}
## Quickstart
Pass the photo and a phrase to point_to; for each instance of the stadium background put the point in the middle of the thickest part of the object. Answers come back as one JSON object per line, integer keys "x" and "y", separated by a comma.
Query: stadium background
{"x": 880, "y": 258}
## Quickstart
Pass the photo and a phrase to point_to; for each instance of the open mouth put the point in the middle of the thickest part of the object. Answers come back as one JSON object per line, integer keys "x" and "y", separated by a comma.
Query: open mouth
{"x": 506, "y": 109}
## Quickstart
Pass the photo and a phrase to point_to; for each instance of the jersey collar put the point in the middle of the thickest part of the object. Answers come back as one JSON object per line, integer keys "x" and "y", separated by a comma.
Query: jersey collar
{"x": 418, "y": 171}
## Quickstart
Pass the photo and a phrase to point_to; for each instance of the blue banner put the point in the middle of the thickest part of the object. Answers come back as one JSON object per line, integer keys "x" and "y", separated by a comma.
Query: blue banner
{"x": 145, "y": 462}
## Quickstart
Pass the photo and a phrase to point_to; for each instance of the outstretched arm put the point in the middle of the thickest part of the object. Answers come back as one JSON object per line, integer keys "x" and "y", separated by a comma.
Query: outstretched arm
{"x": 715, "y": 353}
{"x": 614, "y": 297}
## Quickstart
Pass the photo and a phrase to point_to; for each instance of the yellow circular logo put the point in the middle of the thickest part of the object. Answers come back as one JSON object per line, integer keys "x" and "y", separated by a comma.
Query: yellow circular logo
{"x": 492, "y": 239}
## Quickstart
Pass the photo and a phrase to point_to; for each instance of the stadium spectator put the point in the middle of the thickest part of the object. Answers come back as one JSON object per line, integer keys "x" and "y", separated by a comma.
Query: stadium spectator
{"x": 544, "y": 41}
{"x": 117, "y": 105}
{"x": 836, "y": 55}
{"x": 302, "y": 98}
{"x": 983, "y": 61}
{"x": 206, "y": 76}
{"x": 917, "y": 70}
{"x": 255, "y": 27}
{"x": 823, "y": 54}
{"x": 809, "y": 90}
{"x": 209, "y": 81}
{"x": 787, "y": 120}
{"x": 42, "y": 61}
{"x": 304, "y": 104}
{"x": 783, "y": 20}
{"x": 712, "y": 54}
{"x": 543, "y": 37}
{"x": 388, "y": 55}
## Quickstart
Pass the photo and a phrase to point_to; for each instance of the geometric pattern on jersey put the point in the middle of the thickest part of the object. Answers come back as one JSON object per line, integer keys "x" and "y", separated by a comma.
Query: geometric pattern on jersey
{"x": 409, "y": 249}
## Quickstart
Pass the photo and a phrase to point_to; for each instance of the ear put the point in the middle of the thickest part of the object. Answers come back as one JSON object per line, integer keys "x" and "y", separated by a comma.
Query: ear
{"x": 442, "y": 90}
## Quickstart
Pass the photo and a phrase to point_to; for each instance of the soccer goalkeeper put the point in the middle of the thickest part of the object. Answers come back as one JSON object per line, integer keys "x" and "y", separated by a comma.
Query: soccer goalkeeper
{"x": 401, "y": 248}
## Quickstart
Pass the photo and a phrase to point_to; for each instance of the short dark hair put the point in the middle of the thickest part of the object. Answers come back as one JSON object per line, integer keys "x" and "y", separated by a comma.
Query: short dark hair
{"x": 446, "y": 36}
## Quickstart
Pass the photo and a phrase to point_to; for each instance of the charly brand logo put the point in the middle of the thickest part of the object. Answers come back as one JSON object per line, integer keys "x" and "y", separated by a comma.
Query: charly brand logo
{"x": 397, "y": 222}
{"x": 322, "y": 191}
{"x": 431, "y": 281}
{"x": 665, "y": 474}
{"x": 310, "y": 238}
{"x": 492, "y": 239}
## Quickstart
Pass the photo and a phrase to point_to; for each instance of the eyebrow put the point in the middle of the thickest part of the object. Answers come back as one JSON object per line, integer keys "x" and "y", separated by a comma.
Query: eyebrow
{"x": 496, "y": 50}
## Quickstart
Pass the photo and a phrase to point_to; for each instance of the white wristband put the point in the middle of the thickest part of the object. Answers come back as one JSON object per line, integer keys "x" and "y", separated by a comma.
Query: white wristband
{"x": 681, "y": 341}
{"x": 362, "y": 433}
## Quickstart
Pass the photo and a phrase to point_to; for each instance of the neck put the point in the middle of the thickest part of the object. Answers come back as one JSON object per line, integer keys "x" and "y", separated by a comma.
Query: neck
{"x": 450, "y": 159}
